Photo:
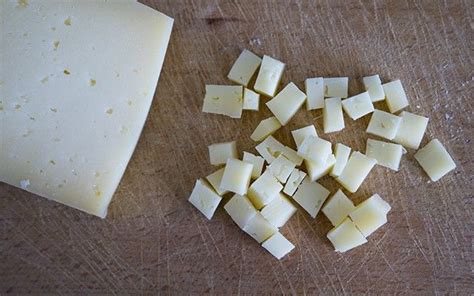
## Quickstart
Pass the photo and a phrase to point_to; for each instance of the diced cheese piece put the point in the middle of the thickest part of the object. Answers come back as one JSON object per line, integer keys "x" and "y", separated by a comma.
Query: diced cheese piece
{"x": 332, "y": 115}
{"x": 346, "y": 236}
{"x": 311, "y": 196}
{"x": 281, "y": 168}
{"x": 370, "y": 215}
{"x": 395, "y": 96}
{"x": 215, "y": 180}
{"x": 336, "y": 87}
{"x": 435, "y": 160}
{"x": 256, "y": 161}
{"x": 269, "y": 76}
{"x": 251, "y": 100}
{"x": 317, "y": 170}
{"x": 294, "y": 181}
{"x": 292, "y": 155}
{"x": 286, "y": 103}
{"x": 220, "y": 152}
{"x": 240, "y": 209}
{"x": 204, "y": 198}
{"x": 224, "y": 100}
{"x": 373, "y": 85}
{"x": 315, "y": 149}
{"x": 264, "y": 190}
{"x": 278, "y": 245}
{"x": 386, "y": 154}
{"x": 383, "y": 124}
{"x": 341, "y": 153}
{"x": 236, "y": 176}
{"x": 300, "y": 134}
{"x": 74, "y": 99}
{"x": 279, "y": 211}
{"x": 314, "y": 92}
{"x": 265, "y": 128}
{"x": 244, "y": 67}
{"x": 411, "y": 130}
{"x": 358, "y": 106}
{"x": 259, "y": 228}
{"x": 356, "y": 170}
{"x": 338, "y": 207}
{"x": 270, "y": 149}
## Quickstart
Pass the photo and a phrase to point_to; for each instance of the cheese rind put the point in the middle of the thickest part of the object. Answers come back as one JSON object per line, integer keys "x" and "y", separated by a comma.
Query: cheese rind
{"x": 264, "y": 190}
{"x": 386, "y": 154}
{"x": 314, "y": 93}
{"x": 278, "y": 245}
{"x": 346, "y": 236}
{"x": 411, "y": 130}
{"x": 315, "y": 149}
{"x": 269, "y": 76}
{"x": 336, "y": 87}
{"x": 281, "y": 168}
{"x": 265, "y": 128}
{"x": 317, "y": 170}
{"x": 236, "y": 176}
{"x": 204, "y": 198}
{"x": 294, "y": 181}
{"x": 279, "y": 211}
{"x": 251, "y": 100}
{"x": 373, "y": 85}
{"x": 311, "y": 196}
{"x": 256, "y": 161}
{"x": 435, "y": 160}
{"x": 332, "y": 115}
{"x": 370, "y": 215}
{"x": 224, "y": 100}
{"x": 356, "y": 170}
{"x": 300, "y": 134}
{"x": 286, "y": 103}
{"x": 244, "y": 67}
{"x": 338, "y": 207}
{"x": 240, "y": 209}
{"x": 341, "y": 152}
{"x": 220, "y": 152}
{"x": 383, "y": 124}
{"x": 358, "y": 106}
{"x": 395, "y": 96}
{"x": 259, "y": 228}
{"x": 215, "y": 180}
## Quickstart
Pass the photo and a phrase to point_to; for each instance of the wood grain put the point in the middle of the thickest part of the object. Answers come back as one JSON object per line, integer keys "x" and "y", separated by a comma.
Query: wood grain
{"x": 155, "y": 242}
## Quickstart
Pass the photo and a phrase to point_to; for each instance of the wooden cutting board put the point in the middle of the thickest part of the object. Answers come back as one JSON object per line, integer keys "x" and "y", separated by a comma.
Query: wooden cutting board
{"x": 153, "y": 241}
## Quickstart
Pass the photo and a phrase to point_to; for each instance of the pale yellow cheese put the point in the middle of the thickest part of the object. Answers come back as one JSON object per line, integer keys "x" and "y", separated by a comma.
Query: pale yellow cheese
{"x": 278, "y": 245}
{"x": 224, "y": 100}
{"x": 336, "y": 87}
{"x": 251, "y": 100}
{"x": 341, "y": 152}
{"x": 259, "y": 228}
{"x": 370, "y": 215}
{"x": 269, "y": 76}
{"x": 317, "y": 170}
{"x": 373, "y": 85}
{"x": 358, "y": 106}
{"x": 333, "y": 118}
{"x": 270, "y": 149}
{"x": 256, "y": 161}
{"x": 204, "y": 198}
{"x": 300, "y": 134}
{"x": 383, "y": 124}
{"x": 411, "y": 130}
{"x": 265, "y": 128}
{"x": 356, "y": 170}
{"x": 294, "y": 181}
{"x": 286, "y": 103}
{"x": 338, "y": 207}
{"x": 236, "y": 176}
{"x": 386, "y": 154}
{"x": 315, "y": 93}
{"x": 220, "y": 152}
{"x": 395, "y": 96}
{"x": 240, "y": 209}
{"x": 281, "y": 168}
{"x": 346, "y": 236}
{"x": 315, "y": 149}
{"x": 279, "y": 211}
{"x": 264, "y": 190}
{"x": 215, "y": 180}
{"x": 244, "y": 67}
{"x": 311, "y": 196}
{"x": 435, "y": 160}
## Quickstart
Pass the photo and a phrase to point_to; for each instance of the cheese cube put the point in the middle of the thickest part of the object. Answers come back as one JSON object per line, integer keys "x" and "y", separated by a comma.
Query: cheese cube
{"x": 317, "y": 170}
{"x": 383, "y": 124}
{"x": 338, "y": 207}
{"x": 269, "y": 76}
{"x": 315, "y": 149}
{"x": 358, "y": 106}
{"x": 244, "y": 67}
{"x": 346, "y": 236}
{"x": 270, "y": 149}
{"x": 256, "y": 161}
{"x": 220, "y": 152}
{"x": 278, "y": 245}
{"x": 240, "y": 209}
{"x": 356, "y": 170}
{"x": 279, "y": 211}
{"x": 300, "y": 134}
{"x": 264, "y": 190}
{"x": 204, "y": 198}
{"x": 292, "y": 155}
{"x": 314, "y": 93}
{"x": 215, "y": 180}
{"x": 224, "y": 100}
{"x": 311, "y": 196}
{"x": 286, "y": 103}
{"x": 265, "y": 128}
{"x": 251, "y": 100}
{"x": 332, "y": 115}
{"x": 386, "y": 154}
{"x": 341, "y": 152}
{"x": 435, "y": 160}
{"x": 336, "y": 87}
{"x": 259, "y": 228}
{"x": 236, "y": 176}
{"x": 370, "y": 215}
{"x": 395, "y": 96}
{"x": 294, "y": 181}
{"x": 281, "y": 168}
{"x": 373, "y": 85}
{"x": 411, "y": 130}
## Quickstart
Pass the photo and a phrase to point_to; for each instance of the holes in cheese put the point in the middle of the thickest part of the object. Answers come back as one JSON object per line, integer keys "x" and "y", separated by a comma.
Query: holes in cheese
{"x": 279, "y": 210}
{"x": 341, "y": 152}
{"x": 220, "y": 152}
{"x": 383, "y": 124}
{"x": 264, "y": 190}
{"x": 265, "y": 128}
{"x": 294, "y": 181}
{"x": 435, "y": 160}
{"x": 411, "y": 130}
{"x": 356, "y": 170}
{"x": 244, "y": 67}
{"x": 259, "y": 228}
{"x": 317, "y": 170}
{"x": 315, "y": 149}
{"x": 336, "y": 87}
{"x": 395, "y": 96}
{"x": 311, "y": 196}
{"x": 333, "y": 118}
{"x": 215, "y": 180}
{"x": 256, "y": 161}
{"x": 300, "y": 134}
{"x": 358, "y": 106}
{"x": 370, "y": 215}
{"x": 251, "y": 100}
{"x": 240, "y": 209}
{"x": 224, "y": 100}
{"x": 386, "y": 154}
{"x": 278, "y": 245}
{"x": 236, "y": 176}
{"x": 373, "y": 85}
{"x": 269, "y": 76}
{"x": 346, "y": 236}
{"x": 314, "y": 93}
{"x": 281, "y": 168}
{"x": 204, "y": 198}
{"x": 338, "y": 207}
{"x": 286, "y": 103}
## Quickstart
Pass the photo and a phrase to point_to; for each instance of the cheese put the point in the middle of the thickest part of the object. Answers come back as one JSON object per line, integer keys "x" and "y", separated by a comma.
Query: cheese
{"x": 74, "y": 99}
{"x": 356, "y": 170}
{"x": 300, "y": 134}
{"x": 315, "y": 93}
{"x": 294, "y": 181}
{"x": 395, "y": 96}
{"x": 315, "y": 149}
{"x": 383, "y": 124}
{"x": 332, "y": 115}
{"x": 435, "y": 160}
{"x": 338, "y": 207}
{"x": 281, "y": 168}
{"x": 411, "y": 131}
{"x": 236, "y": 176}
{"x": 265, "y": 128}
{"x": 317, "y": 170}
{"x": 346, "y": 236}
{"x": 220, "y": 152}
{"x": 215, "y": 180}
{"x": 370, "y": 215}
{"x": 224, "y": 100}
{"x": 270, "y": 149}
{"x": 279, "y": 211}
{"x": 358, "y": 106}
{"x": 386, "y": 154}
{"x": 311, "y": 196}
{"x": 269, "y": 76}
{"x": 341, "y": 153}
{"x": 251, "y": 100}
{"x": 240, "y": 209}
{"x": 259, "y": 228}
{"x": 285, "y": 105}
{"x": 257, "y": 163}
{"x": 278, "y": 245}
{"x": 205, "y": 199}
{"x": 336, "y": 87}
{"x": 264, "y": 190}
{"x": 373, "y": 85}
{"x": 244, "y": 67}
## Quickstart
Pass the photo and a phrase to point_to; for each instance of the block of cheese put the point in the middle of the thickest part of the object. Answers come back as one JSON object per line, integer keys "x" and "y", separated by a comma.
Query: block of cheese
{"x": 215, "y": 180}
{"x": 81, "y": 79}
{"x": 237, "y": 175}
{"x": 269, "y": 76}
{"x": 341, "y": 152}
{"x": 300, "y": 134}
{"x": 270, "y": 149}
{"x": 281, "y": 168}
{"x": 244, "y": 67}
{"x": 356, "y": 170}
{"x": 256, "y": 161}
{"x": 336, "y": 87}
{"x": 311, "y": 196}
{"x": 294, "y": 181}
{"x": 251, "y": 100}
{"x": 383, "y": 124}
{"x": 346, "y": 236}
{"x": 386, "y": 154}
{"x": 220, "y": 152}
{"x": 264, "y": 190}
{"x": 395, "y": 96}
{"x": 338, "y": 207}
{"x": 259, "y": 228}
{"x": 224, "y": 100}
{"x": 265, "y": 128}
{"x": 370, "y": 215}
{"x": 411, "y": 130}
{"x": 373, "y": 85}
{"x": 314, "y": 93}
{"x": 204, "y": 198}
{"x": 278, "y": 245}
{"x": 435, "y": 160}
{"x": 358, "y": 106}
{"x": 315, "y": 149}
{"x": 240, "y": 209}
{"x": 333, "y": 118}
{"x": 316, "y": 170}
{"x": 286, "y": 103}
{"x": 279, "y": 211}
